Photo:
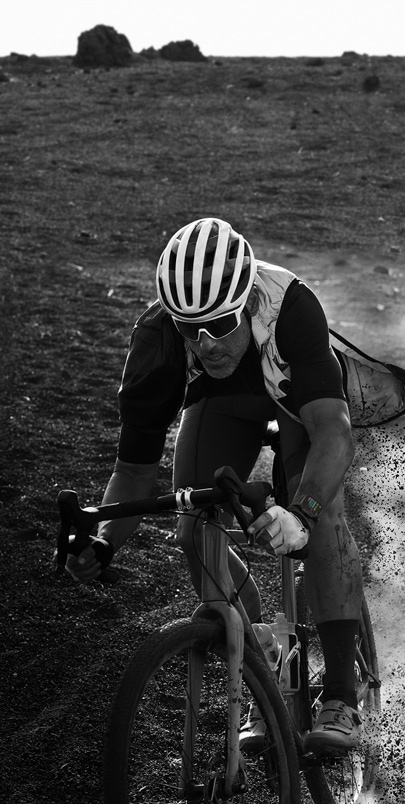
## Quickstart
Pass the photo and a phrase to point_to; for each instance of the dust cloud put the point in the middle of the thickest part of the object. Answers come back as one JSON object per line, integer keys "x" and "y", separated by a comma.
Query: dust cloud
{"x": 378, "y": 480}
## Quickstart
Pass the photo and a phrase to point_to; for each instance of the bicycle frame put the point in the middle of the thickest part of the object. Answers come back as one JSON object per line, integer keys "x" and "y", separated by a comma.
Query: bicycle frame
{"x": 217, "y": 581}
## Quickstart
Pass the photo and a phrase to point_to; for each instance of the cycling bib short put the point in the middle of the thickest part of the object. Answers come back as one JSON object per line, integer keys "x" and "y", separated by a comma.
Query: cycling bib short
{"x": 220, "y": 431}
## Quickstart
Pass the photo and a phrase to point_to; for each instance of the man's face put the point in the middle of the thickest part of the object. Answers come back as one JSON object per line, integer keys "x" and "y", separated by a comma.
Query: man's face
{"x": 221, "y": 357}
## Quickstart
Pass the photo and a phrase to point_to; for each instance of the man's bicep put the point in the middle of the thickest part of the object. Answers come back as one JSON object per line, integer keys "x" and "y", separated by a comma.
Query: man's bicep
{"x": 314, "y": 380}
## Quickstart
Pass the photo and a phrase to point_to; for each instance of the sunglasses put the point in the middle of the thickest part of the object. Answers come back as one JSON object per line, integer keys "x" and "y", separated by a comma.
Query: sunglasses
{"x": 217, "y": 328}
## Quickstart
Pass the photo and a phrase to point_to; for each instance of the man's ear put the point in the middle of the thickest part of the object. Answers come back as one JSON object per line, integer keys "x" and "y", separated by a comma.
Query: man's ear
{"x": 252, "y": 304}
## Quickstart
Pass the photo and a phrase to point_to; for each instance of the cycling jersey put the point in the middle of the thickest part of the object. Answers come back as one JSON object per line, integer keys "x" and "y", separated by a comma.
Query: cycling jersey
{"x": 289, "y": 359}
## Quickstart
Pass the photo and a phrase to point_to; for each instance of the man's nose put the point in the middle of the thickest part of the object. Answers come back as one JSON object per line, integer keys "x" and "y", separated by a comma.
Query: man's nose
{"x": 205, "y": 343}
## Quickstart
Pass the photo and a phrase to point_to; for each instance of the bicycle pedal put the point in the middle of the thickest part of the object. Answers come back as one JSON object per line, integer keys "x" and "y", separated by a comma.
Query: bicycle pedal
{"x": 326, "y": 758}
{"x": 331, "y": 760}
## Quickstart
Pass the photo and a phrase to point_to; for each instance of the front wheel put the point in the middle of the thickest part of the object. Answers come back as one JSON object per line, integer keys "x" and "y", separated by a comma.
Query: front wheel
{"x": 145, "y": 761}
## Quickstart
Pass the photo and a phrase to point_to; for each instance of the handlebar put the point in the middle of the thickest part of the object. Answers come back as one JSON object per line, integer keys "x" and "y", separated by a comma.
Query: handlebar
{"x": 229, "y": 488}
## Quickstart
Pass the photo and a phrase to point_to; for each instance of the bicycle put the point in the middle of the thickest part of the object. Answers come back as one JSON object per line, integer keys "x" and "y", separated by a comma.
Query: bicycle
{"x": 173, "y": 734}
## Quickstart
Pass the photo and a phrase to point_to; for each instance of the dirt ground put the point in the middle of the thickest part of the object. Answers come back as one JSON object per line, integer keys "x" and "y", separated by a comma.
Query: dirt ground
{"x": 97, "y": 170}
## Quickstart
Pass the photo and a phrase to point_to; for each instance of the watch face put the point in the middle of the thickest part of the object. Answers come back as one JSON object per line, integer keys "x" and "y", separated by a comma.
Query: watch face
{"x": 310, "y": 506}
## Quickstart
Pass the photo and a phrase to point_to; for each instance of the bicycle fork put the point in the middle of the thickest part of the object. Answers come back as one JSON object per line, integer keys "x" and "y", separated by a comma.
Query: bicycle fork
{"x": 217, "y": 601}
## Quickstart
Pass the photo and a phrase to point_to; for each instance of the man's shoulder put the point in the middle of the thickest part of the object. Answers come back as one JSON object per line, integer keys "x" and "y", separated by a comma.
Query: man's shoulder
{"x": 154, "y": 333}
{"x": 270, "y": 272}
{"x": 272, "y": 282}
{"x": 153, "y": 316}
{"x": 156, "y": 322}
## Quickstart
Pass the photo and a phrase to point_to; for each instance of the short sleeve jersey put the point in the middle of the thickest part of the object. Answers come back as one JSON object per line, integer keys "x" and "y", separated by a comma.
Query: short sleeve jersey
{"x": 153, "y": 388}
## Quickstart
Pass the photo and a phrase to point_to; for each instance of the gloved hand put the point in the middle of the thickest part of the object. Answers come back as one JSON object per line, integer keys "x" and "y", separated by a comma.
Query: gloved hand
{"x": 90, "y": 563}
{"x": 279, "y": 530}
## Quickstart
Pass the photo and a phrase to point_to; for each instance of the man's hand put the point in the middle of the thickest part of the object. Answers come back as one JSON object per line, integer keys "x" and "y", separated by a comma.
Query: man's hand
{"x": 280, "y": 530}
{"x": 88, "y": 565}
{"x": 84, "y": 567}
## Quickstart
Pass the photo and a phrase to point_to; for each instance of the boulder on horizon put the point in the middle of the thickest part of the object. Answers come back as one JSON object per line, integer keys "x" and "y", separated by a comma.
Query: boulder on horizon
{"x": 102, "y": 46}
{"x": 185, "y": 50}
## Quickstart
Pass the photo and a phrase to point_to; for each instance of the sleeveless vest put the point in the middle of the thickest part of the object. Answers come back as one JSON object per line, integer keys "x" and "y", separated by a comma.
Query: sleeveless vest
{"x": 375, "y": 390}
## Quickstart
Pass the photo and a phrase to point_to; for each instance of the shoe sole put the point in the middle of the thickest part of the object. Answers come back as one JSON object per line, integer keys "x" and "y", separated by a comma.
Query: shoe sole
{"x": 323, "y": 748}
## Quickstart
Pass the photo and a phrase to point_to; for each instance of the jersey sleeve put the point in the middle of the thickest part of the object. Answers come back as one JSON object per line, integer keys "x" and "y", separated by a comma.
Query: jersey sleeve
{"x": 152, "y": 388}
{"x": 302, "y": 338}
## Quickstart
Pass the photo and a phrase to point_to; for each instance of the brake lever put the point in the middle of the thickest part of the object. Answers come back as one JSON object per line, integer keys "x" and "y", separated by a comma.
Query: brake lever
{"x": 252, "y": 495}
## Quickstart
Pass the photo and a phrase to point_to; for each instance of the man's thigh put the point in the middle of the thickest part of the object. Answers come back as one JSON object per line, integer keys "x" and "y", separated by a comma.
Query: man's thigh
{"x": 220, "y": 431}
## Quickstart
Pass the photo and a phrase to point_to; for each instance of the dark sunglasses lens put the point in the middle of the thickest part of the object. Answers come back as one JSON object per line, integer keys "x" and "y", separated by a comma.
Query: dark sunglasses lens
{"x": 217, "y": 328}
{"x": 189, "y": 331}
{"x": 220, "y": 327}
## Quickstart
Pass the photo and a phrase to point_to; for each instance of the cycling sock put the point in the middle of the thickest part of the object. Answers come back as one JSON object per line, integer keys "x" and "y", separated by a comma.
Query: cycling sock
{"x": 338, "y": 640}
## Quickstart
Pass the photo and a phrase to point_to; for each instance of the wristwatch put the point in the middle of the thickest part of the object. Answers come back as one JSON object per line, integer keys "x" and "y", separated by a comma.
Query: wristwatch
{"x": 306, "y": 509}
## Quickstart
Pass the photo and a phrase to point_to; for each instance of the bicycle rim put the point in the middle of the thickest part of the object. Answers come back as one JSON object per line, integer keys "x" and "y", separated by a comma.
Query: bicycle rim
{"x": 348, "y": 779}
{"x": 143, "y": 756}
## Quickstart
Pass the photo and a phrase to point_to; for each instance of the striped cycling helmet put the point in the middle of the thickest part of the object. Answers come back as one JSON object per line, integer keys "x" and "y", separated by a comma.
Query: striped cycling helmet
{"x": 205, "y": 272}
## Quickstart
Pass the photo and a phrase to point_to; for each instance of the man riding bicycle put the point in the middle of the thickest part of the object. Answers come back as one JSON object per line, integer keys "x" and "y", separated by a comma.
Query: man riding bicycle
{"x": 235, "y": 342}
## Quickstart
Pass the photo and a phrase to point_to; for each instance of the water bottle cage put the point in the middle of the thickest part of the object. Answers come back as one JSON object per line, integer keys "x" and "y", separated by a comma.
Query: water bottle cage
{"x": 292, "y": 654}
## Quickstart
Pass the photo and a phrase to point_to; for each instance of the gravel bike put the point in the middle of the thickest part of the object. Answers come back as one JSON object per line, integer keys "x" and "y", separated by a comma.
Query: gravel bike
{"x": 173, "y": 733}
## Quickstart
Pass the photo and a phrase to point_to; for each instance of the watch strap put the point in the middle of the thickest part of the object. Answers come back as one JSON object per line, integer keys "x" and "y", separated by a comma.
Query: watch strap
{"x": 306, "y": 521}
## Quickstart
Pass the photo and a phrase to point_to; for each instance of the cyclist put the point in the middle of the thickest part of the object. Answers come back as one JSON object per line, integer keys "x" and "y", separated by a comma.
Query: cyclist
{"x": 235, "y": 342}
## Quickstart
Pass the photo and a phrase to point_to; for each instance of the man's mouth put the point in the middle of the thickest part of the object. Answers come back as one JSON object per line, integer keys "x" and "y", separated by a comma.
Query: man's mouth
{"x": 213, "y": 358}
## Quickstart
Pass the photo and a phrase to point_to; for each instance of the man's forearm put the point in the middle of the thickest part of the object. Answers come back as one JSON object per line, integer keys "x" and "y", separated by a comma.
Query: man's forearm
{"x": 128, "y": 482}
{"x": 328, "y": 460}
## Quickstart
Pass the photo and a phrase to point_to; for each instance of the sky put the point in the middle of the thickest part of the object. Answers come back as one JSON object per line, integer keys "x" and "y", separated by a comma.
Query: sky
{"x": 219, "y": 27}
